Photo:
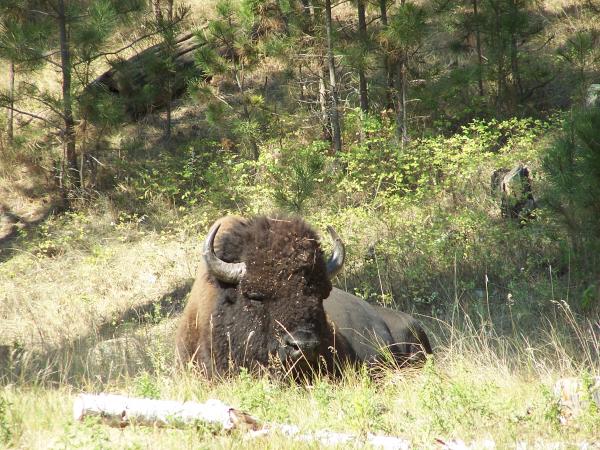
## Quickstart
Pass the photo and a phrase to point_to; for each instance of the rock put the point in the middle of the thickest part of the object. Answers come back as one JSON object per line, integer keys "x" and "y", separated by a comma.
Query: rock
{"x": 575, "y": 394}
{"x": 132, "y": 80}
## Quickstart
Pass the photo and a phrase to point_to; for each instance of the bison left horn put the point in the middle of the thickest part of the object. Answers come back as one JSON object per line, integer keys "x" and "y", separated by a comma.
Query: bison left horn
{"x": 221, "y": 270}
{"x": 336, "y": 260}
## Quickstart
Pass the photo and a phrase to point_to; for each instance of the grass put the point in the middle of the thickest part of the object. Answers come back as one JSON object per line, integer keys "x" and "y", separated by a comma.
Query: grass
{"x": 89, "y": 300}
{"x": 60, "y": 308}
{"x": 462, "y": 394}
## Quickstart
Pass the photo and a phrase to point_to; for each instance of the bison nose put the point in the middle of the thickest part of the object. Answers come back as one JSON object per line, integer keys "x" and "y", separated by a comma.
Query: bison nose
{"x": 300, "y": 343}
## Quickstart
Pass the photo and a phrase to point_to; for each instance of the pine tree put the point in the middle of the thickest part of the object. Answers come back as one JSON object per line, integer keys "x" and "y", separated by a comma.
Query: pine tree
{"x": 22, "y": 41}
{"x": 76, "y": 33}
{"x": 401, "y": 40}
{"x": 231, "y": 50}
{"x": 168, "y": 21}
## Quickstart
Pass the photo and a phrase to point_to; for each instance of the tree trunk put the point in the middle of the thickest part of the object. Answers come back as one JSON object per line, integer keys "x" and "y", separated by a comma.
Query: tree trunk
{"x": 478, "y": 48}
{"x": 120, "y": 411}
{"x": 516, "y": 91}
{"x": 325, "y": 119}
{"x": 157, "y": 11}
{"x": 389, "y": 74}
{"x": 70, "y": 168}
{"x": 170, "y": 10}
{"x": 362, "y": 34}
{"x": 11, "y": 102}
{"x": 309, "y": 10}
{"x": 335, "y": 119}
{"x": 401, "y": 114}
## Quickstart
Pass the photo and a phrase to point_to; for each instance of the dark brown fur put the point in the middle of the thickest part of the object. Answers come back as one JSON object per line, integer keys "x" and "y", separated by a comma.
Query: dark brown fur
{"x": 285, "y": 269}
{"x": 226, "y": 326}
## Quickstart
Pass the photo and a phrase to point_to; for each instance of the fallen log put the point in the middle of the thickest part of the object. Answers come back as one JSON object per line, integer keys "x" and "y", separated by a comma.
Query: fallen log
{"x": 120, "y": 411}
{"x": 136, "y": 85}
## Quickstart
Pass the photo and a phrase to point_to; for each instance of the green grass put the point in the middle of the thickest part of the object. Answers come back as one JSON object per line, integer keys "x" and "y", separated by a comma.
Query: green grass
{"x": 455, "y": 396}
{"x": 94, "y": 315}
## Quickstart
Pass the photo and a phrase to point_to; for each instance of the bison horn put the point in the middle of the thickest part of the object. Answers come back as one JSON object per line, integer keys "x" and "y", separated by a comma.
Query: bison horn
{"x": 336, "y": 260}
{"x": 221, "y": 270}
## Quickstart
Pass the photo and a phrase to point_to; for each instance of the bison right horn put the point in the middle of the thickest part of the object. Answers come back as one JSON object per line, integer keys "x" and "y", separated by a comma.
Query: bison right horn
{"x": 336, "y": 260}
{"x": 221, "y": 270}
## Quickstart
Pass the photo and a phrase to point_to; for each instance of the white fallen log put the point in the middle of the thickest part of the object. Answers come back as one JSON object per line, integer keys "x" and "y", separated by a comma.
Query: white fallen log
{"x": 325, "y": 437}
{"x": 119, "y": 410}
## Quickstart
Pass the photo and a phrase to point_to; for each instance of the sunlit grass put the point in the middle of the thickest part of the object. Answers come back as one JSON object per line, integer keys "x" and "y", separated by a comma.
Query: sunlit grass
{"x": 472, "y": 389}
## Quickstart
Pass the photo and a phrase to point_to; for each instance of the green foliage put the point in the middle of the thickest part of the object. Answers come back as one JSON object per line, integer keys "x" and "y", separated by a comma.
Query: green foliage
{"x": 6, "y": 427}
{"x": 580, "y": 54}
{"x": 91, "y": 434}
{"x": 453, "y": 403}
{"x": 181, "y": 178}
{"x": 430, "y": 165}
{"x": 572, "y": 165}
{"x": 362, "y": 407}
{"x": 232, "y": 50}
{"x": 550, "y": 406}
{"x": 145, "y": 386}
{"x": 296, "y": 174}
{"x": 407, "y": 27}
{"x": 260, "y": 397}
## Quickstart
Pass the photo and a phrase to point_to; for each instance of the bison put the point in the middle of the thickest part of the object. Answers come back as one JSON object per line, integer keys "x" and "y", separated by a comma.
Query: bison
{"x": 263, "y": 294}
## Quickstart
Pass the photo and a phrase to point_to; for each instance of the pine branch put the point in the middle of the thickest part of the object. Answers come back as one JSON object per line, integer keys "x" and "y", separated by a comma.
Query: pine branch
{"x": 32, "y": 115}
{"x": 43, "y": 101}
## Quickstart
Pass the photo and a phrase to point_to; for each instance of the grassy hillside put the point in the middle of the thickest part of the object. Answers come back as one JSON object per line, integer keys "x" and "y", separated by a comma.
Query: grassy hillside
{"x": 90, "y": 295}
{"x": 90, "y": 298}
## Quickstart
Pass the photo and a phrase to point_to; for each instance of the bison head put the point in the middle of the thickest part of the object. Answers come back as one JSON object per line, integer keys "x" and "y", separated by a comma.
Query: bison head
{"x": 273, "y": 277}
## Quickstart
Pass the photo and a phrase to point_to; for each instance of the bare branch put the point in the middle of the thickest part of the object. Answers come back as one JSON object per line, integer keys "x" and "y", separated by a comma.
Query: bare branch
{"x": 44, "y": 13}
{"x": 43, "y": 101}
{"x": 116, "y": 52}
{"x": 35, "y": 116}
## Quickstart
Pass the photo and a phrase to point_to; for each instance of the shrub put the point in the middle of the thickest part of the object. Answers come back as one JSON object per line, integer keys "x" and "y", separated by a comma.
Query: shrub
{"x": 296, "y": 174}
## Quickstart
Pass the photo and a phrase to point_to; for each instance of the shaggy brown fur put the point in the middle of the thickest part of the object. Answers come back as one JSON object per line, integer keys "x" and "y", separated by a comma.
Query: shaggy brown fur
{"x": 226, "y": 326}
{"x": 285, "y": 291}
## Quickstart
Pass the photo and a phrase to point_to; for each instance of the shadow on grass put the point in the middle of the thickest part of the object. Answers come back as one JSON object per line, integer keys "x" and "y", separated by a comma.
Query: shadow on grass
{"x": 17, "y": 223}
{"x": 140, "y": 339}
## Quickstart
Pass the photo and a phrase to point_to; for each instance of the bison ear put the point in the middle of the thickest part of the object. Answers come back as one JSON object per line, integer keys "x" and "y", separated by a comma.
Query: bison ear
{"x": 336, "y": 260}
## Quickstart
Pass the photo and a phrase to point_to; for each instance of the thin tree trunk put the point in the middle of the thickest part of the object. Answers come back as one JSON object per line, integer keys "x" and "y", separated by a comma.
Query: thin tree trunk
{"x": 478, "y": 47}
{"x": 11, "y": 102}
{"x": 69, "y": 131}
{"x": 389, "y": 74}
{"x": 517, "y": 91}
{"x": 335, "y": 119}
{"x": 325, "y": 122}
{"x": 170, "y": 10}
{"x": 401, "y": 114}
{"x": 325, "y": 119}
{"x": 169, "y": 55}
{"x": 157, "y": 11}
{"x": 362, "y": 80}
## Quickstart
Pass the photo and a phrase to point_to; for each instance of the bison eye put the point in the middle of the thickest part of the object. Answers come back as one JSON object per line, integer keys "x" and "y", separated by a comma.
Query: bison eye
{"x": 257, "y": 296}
